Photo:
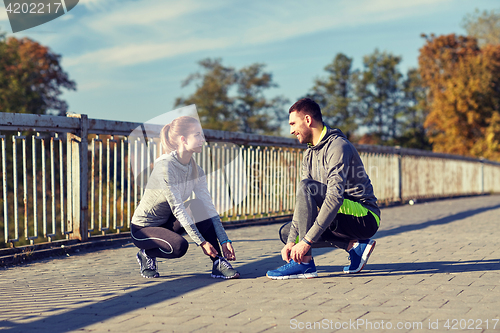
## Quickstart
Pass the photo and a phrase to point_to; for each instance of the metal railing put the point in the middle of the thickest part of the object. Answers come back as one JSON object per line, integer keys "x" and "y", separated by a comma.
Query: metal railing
{"x": 74, "y": 177}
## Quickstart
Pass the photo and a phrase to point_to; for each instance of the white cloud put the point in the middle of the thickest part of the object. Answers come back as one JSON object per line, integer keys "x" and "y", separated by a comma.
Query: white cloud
{"x": 67, "y": 17}
{"x": 3, "y": 14}
{"x": 288, "y": 24}
{"x": 175, "y": 28}
{"x": 131, "y": 54}
{"x": 145, "y": 13}
{"x": 95, "y": 5}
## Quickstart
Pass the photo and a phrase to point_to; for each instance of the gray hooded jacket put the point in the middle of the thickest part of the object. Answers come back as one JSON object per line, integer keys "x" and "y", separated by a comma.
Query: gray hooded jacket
{"x": 169, "y": 185}
{"x": 334, "y": 161}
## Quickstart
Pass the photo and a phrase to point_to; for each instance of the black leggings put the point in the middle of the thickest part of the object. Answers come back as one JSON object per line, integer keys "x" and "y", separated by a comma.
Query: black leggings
{"x": 166, "y": 241}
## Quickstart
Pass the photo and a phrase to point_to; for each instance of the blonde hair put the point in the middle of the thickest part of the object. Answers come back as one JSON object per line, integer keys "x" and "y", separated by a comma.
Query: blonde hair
{"x": 170, "y": 133}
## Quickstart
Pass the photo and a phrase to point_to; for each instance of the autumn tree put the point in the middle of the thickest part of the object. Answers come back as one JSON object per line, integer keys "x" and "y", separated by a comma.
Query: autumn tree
{"x": 335, "y": 95}
{"x": 31, "y": 78}
{"x": 234, "y": 100}
{"x": 484, "y": 26}
{"x": 464, "y": 95}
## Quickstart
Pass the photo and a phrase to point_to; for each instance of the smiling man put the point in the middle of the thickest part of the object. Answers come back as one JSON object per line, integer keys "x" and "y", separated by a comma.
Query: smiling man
{"x": 335, "y": 203}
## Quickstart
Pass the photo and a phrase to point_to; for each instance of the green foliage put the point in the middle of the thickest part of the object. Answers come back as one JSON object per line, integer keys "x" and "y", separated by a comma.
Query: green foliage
{"x": 335, "y": 95}
{"x": 412, "y": 127}
{"x": 234, "y": 100}
{"x": 378, "y": 100}
{"x": 380, "y": 95}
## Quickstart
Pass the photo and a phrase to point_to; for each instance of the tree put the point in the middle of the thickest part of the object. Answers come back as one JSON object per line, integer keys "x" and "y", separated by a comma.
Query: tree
{"x": 256, "y": 113}
{"x": 464, "y": 95}
{"x": 233, "y": 100}
{"x": 212, "y": 94}
{"x": 416, "y": 109}
{"x": 484, "y": 26}
{"x": 335, "y": 95}
{"x": 380, "y": 96}
{"x": 31, "y": 78}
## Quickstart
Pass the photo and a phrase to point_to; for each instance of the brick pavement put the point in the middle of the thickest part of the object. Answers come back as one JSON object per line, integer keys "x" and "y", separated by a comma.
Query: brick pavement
{"x": 433, "y": 262}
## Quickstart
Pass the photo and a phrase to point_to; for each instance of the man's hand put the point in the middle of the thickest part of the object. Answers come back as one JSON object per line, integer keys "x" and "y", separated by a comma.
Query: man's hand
{"x": 208, "y": 249}
{"x": 285, "y": 251}
{"x": 298, "y": 251}
{"x": 228, "y": 251}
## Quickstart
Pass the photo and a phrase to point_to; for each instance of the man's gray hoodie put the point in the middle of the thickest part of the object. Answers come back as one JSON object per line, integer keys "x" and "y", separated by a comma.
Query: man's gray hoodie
{"x": 335, "y": 162}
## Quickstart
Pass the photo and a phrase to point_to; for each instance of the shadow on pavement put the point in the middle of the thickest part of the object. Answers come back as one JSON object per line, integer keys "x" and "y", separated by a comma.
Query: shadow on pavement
{"x": 415, "y": 268}
{"x": 162, "y": 291}
{"x": 444, "y": 220}
{"x": 147, "y": 296}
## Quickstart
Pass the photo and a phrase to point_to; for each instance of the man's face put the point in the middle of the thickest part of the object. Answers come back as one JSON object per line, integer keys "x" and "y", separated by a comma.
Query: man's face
{"x": 299, "y": 127}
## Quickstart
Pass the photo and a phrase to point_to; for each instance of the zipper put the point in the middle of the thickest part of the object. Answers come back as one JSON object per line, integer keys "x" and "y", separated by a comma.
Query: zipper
{"x": 186, "y": 182}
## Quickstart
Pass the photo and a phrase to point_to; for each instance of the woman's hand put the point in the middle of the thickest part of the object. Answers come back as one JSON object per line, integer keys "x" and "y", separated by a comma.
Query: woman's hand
{"x": 208, "y": 249}
{"x": 228, "y": 251}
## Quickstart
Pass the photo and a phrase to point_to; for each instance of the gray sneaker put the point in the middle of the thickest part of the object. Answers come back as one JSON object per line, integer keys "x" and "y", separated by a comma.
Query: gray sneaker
{"x": 149, "y": 268}
{"x": 222, "y": 269}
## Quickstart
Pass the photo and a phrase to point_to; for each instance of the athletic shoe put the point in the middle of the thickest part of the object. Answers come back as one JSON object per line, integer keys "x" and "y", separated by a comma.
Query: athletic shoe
{"x": 359, "y": 255}
{"x": 222, "y": 269}
{"x": 292, "y": 270}
{"x": 148, "y": 265}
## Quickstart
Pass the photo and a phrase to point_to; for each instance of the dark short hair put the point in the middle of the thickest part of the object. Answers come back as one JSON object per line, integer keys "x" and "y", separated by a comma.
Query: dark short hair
{"x": 308, "y": 107}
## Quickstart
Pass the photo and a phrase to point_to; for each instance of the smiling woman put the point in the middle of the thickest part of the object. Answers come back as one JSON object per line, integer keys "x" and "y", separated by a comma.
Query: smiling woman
{"x": 163, "y": 213}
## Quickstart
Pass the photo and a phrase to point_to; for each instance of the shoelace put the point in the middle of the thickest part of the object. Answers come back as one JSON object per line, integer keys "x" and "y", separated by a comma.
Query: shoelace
{"x": 288, "y": 264}
{"x": 224, "y": 263}
{"x": 151, "y": 263}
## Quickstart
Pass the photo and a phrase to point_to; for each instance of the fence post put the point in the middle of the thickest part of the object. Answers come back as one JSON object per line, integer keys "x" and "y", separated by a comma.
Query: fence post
{"x": 481, "y": 160}
{"x": 77, "y": 155}
{"x": 398, "y": 188}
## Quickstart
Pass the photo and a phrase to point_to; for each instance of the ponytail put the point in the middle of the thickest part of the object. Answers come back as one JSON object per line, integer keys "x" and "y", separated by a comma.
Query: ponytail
{"x": 168, "y": 147}
{"x": 171, "y": 132}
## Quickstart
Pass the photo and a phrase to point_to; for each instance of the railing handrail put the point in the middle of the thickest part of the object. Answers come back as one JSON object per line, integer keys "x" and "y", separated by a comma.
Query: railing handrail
{"x": 395, "y": 150}
{"x": 51, "y": 123}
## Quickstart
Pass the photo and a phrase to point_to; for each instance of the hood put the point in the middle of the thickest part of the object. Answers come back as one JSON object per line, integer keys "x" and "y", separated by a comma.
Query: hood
{"x": 331, "y": 133}
{"x": 172, "y": 158}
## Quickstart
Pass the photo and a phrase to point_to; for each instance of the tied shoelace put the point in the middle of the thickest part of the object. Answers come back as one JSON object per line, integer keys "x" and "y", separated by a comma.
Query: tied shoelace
{"x": 223, "y": 262}
{"x": 288, "y": 264}
{"x": 151, "y": 263}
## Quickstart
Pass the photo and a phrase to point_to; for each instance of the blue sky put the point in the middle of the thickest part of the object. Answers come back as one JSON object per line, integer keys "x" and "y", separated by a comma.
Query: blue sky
{"x": 129, "y": 58}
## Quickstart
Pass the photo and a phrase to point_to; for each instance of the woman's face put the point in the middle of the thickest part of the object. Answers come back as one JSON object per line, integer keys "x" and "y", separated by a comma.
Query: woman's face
{"x": 195, "y": 140}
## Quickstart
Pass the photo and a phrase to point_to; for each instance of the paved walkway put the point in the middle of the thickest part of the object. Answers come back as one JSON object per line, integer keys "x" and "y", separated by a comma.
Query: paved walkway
{"x": 435, "y": 265}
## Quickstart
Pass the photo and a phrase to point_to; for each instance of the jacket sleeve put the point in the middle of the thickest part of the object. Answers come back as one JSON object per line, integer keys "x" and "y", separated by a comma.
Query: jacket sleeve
{"x": 174, "y": 199}
{"x": 202, "y": 193}
{"x": 337, "y": 167}
{"x": 305, "y": 174}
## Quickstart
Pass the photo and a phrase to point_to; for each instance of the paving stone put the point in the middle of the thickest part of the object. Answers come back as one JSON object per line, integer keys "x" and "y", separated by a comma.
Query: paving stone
{"x": 433, "y": 261}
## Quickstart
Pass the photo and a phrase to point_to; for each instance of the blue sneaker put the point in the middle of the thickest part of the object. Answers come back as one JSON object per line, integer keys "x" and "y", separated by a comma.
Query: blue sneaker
{"x": 292, "y": 270}
{"x": 359, "y": 255}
